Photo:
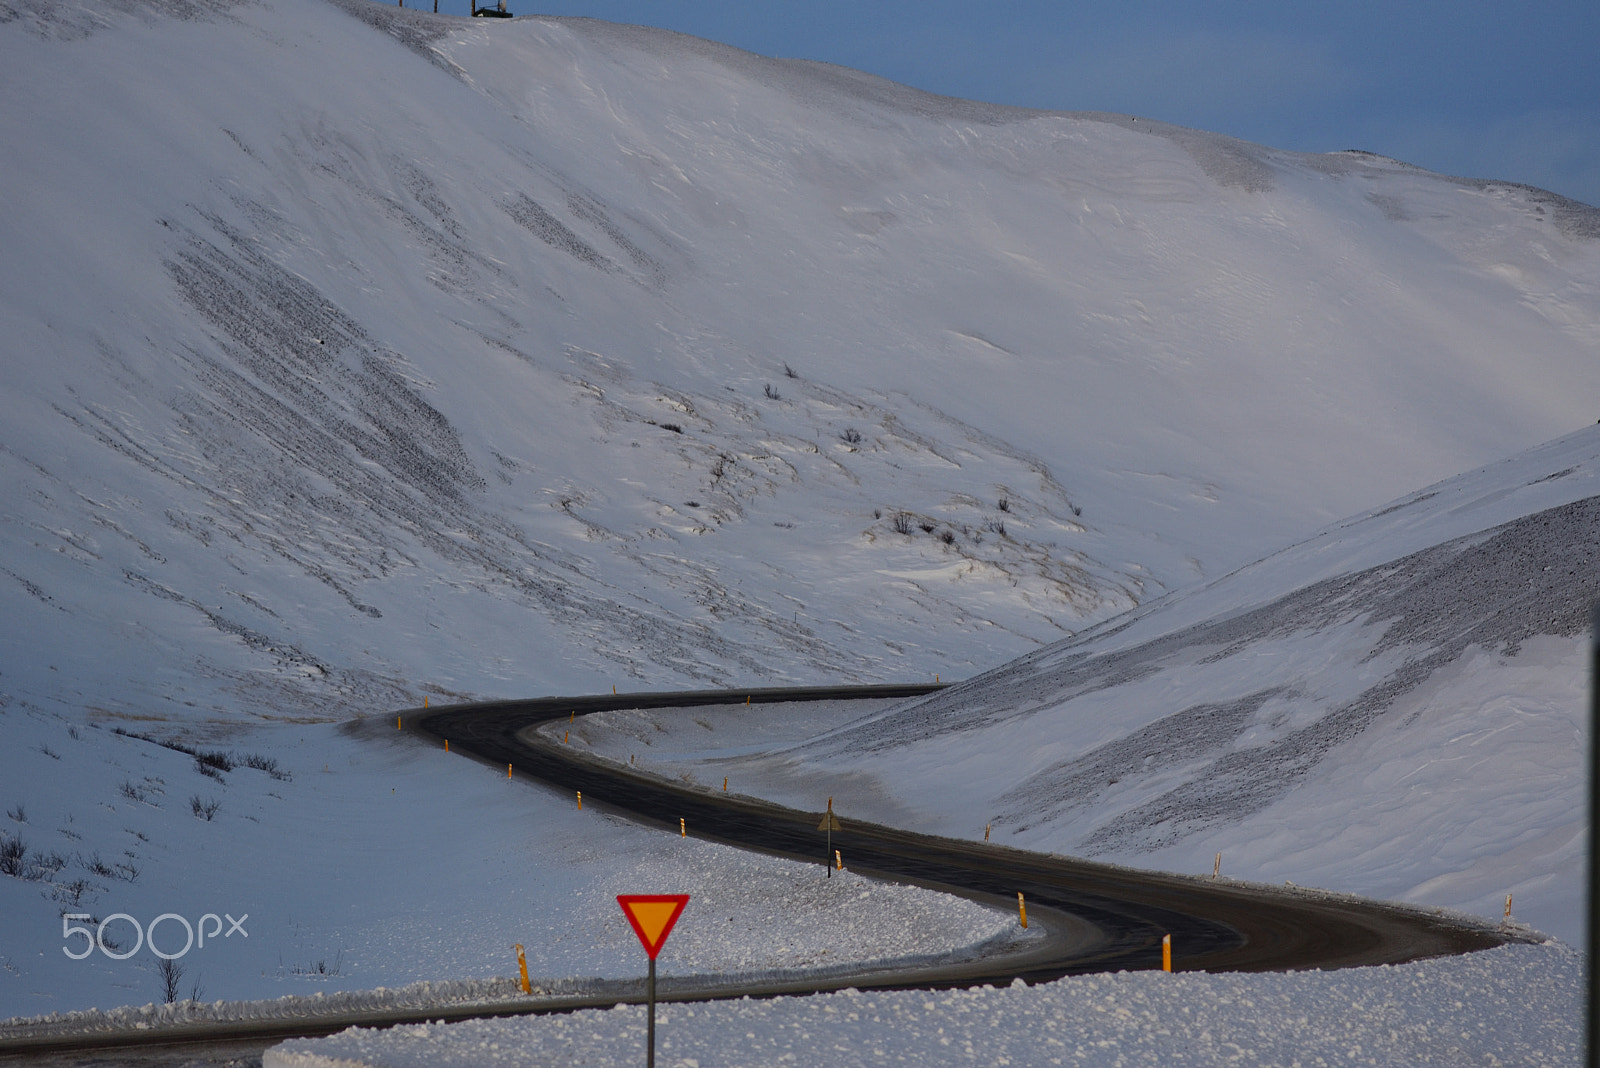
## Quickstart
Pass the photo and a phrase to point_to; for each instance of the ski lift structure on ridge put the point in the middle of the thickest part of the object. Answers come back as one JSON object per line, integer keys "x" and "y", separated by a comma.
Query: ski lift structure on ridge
{"x": 497, "y": 12}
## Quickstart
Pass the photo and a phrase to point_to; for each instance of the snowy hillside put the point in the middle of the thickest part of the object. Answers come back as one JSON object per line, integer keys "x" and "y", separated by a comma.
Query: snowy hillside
{"x": 352, "y": 354}
{"x": 1393, "y": 707}
{"x": 362, "y": 861}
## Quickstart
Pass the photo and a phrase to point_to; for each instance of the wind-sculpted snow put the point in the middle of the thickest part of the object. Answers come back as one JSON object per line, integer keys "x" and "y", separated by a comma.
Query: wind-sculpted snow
{"x": 1496, "y": 590}
{"x": 1571, "y": 217}
{"x": 553, "y": 232}
{"x": 840, "y": 90}
{"x": 74, "y": 20}
{"x": 316, "y": 445}
{"x": 819, "y": 85}
{"x": 298, "y": 437}
{"x": 418, "y": 30}
{"x": 307, "y": 375}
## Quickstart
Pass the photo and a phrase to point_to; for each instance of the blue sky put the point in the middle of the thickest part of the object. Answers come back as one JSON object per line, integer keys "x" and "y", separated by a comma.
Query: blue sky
{"x": 1485, "y": 89}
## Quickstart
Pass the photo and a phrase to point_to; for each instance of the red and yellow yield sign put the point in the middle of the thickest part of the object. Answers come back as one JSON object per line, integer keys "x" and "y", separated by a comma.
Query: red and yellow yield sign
{"x": 652, "y": 916}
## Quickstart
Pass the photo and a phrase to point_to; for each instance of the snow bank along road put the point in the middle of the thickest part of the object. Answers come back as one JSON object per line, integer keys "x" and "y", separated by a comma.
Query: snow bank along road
{"x": 1215, "y": 926}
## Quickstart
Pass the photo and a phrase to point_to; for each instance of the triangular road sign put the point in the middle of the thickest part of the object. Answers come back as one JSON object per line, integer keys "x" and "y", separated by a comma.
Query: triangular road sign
{"x": 652, "y": 916}
{"x": 830, "y": 822}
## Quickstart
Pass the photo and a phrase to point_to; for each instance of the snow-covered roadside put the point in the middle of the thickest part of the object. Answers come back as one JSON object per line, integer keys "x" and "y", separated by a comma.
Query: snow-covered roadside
{"x": 415, "y": 998}
{"x": 1514, "y": 1005}
{"x": 359, "y": 863}
{"x": 735, "y": 747}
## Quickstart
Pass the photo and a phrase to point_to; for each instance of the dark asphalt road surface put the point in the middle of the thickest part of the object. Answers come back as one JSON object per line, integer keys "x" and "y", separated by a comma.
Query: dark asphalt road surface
{"x": 1215, "y": 926}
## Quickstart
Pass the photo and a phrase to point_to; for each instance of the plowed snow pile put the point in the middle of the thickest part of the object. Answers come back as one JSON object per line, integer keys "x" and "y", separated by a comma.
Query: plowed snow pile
{"x": 1515, "y": 1005}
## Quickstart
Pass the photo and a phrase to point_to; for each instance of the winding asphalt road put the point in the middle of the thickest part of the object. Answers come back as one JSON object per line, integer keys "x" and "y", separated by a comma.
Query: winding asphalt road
{"x": 1103, "y": 918}
{"x": 1215, "y": 926}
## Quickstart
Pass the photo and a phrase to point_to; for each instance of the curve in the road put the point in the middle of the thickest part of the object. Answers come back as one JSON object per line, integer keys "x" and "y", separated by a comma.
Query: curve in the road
{"x": 1215, "y": 926}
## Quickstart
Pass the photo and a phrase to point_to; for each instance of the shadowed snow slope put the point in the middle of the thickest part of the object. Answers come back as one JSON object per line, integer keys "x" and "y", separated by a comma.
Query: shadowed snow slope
{"x": 350, "y": 352}
{"x": 1393, "y": 707}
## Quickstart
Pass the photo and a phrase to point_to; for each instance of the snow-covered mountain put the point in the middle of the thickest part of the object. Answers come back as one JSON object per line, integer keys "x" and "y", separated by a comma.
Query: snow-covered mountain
{"x": 1395, "y": 706}
{"x": 353, "y": 354}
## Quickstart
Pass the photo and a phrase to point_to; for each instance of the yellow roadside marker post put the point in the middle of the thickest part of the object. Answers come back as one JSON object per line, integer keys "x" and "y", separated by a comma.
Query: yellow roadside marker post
{"x": 1166, "y": 953}
{"x": 1508, "y": 908}
{"x": 830, "y": 823}
{"x": 1592, "y": 1030}
{"x": 522, "y": 965}
{"x": 1216, "y": 869}
{"x": 683, "y": 828}
{"x": 1022, "y": 909}
{"x": 652, "y": 917}
{"x": 580, "y": 800}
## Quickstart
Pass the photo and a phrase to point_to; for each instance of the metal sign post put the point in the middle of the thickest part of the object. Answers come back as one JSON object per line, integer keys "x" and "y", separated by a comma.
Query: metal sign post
{"x": 830, "y": 823}
{"x": 1592, "y": 1028}
{"x": 652, "y": 917}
